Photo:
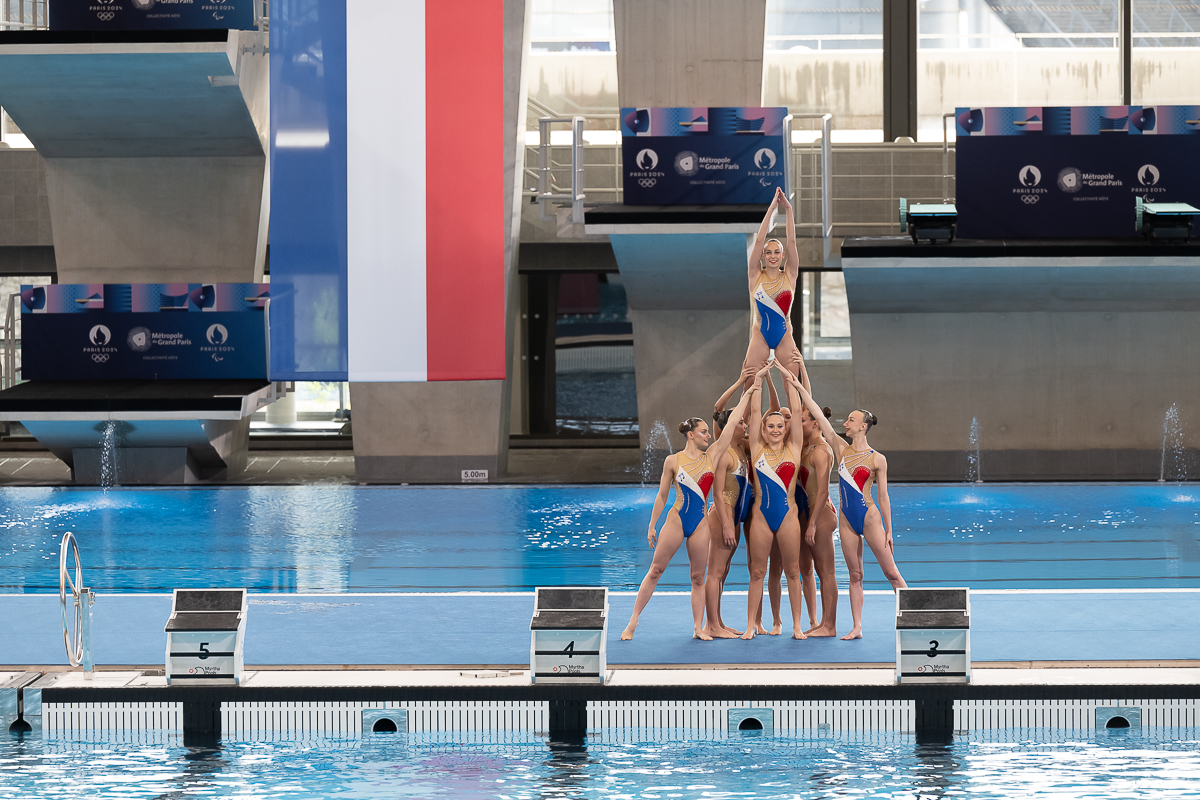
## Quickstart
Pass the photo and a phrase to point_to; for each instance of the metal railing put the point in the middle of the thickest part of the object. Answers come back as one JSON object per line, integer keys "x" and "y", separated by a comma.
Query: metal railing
{"x": 548, "y": 190}
{"x": 23, "y": 15}
{"x": 946, "y": 176}
{"x": 967, "y": 41}
{"x": 11, "y": 344}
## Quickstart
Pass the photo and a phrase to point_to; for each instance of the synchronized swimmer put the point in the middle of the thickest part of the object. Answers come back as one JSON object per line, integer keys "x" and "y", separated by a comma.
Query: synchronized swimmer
{"x": 772, "y": 474}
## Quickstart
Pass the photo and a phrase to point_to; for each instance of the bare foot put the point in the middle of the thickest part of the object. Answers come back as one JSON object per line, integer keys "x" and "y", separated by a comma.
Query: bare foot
{"x": 722, "y": 633}
{"x": 749, "y": 634}
{"x": 778, "y": 629}
{"x": 734, "y": 631}
{"x": 822, "y": 630}
{"x": 627, "y": 634}
{"x": 702, "y": 635}
{"x": 798, "y": 634}
{"x": 758, "y": 628}
{"x": 854, "y": 634}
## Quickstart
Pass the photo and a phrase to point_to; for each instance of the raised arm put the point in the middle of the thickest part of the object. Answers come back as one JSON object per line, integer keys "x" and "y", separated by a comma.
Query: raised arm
{"x": 718, "y": 448}
{"x": 885, "y": 502}
{"x": 760, "y": 240}
{"x": 789, "y": 384}
{"x": 660, "y": 500}
{"x": 791, "y": 252}
{"x": 774, "y": 405}
{"x": 836, "y": 442}
{"x": 798, "y": 362}
{"x": 756, "y": 414}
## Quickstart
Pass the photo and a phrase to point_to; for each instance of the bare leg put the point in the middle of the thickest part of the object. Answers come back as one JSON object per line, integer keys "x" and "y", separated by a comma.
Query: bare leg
{"x": 737, "y": 536}
{"x": 775, "y": 588}
{"x": 823, "y": 558}
{"x": 719, "y": 558}
{"x": 788, "y": 537}
{"x": 806, "y": 575}
{"x": 669, "y": 540}
{"x": 877, "y": 540}
{"x": 756, "y": 356}
{"x": 697, "y": 551}
{"x": 852, "y": 551}
{"x": 774, "y": 591}
{"x": 785, "y": 354}
{"x": 759, "y": 540}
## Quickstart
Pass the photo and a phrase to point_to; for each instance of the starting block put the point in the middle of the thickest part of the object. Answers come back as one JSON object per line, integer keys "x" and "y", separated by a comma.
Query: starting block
{"x": 206, "y": 636}
{"x": 933, "y": 635}
{"x": 569, "y": 635}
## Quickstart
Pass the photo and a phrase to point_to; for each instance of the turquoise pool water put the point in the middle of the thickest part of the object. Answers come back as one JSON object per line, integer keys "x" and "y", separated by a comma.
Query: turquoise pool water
{"x": 496, "y": 538}
{"x": 628, "y": 765}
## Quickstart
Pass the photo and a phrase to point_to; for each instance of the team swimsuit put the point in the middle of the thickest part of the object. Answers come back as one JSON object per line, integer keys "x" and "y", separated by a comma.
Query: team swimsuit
{"x": 856, "y": 474}
{"x": 692, "y": 483}
{"x": 772, "y": 301}
{"x": 738, "y": 493}
{"x": 776, "y": 473}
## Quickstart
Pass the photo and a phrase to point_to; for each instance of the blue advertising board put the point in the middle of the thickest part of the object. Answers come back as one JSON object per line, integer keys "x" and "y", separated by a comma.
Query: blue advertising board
{"x": 1071, "y": 172}
{"x": 150, "y": 15}
{"x": 704, "y": 156}
{"x": 144, "y": 331}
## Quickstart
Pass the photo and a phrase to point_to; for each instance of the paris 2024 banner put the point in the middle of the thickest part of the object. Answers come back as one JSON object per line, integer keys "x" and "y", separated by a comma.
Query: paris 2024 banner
{"x": 704, "y": 156}
{"x": 1071, "y": 172}
{"x": 144, "y": 331}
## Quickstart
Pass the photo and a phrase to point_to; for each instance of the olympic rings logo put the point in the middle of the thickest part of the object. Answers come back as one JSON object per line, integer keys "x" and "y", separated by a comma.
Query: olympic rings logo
{"x": 99, "y": 358}
{"x": 646, "y": 183}
{"x": 106, "y": 16}
{"x": 1030, "y": 199}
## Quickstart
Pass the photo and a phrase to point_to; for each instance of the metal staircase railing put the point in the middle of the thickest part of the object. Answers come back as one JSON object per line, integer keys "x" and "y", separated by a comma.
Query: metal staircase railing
{"x": 78, "y": 639}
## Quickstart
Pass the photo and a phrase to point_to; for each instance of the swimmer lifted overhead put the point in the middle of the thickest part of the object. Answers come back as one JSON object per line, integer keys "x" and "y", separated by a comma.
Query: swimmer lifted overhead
{"x": 773, "y": 271}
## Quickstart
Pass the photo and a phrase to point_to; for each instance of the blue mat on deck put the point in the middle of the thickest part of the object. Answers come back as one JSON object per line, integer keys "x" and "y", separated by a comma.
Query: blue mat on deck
{"x": 452, "y": 629}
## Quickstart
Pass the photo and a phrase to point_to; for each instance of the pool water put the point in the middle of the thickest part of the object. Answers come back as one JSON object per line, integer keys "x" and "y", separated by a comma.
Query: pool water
{"x": 616, "y": 764}
{"x": 513, "y": 538}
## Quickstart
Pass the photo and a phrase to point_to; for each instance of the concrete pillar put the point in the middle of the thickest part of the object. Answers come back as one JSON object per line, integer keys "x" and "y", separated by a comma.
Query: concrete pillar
{"x": 690, "y": 52}
{"x": 432, "y": 432}
{"x": 687, "y": 292}
{"x": 899, "y": 69}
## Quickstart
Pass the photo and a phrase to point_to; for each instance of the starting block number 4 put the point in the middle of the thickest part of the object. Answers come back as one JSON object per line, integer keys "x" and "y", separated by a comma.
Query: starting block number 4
{"x": 567, "y": 653}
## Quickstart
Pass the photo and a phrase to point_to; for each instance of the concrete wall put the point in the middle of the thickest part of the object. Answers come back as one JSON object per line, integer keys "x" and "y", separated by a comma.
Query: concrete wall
{"x": 24, "y": 204}
{"x": 849, "y": 83}
{"x": 1068, "y": 365}
{"x": 155, "y": 220}
{"x": 689, "y": 52}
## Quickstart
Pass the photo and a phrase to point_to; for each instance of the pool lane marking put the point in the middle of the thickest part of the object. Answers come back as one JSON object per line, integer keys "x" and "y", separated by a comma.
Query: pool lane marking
{"x": 742, "y": 593}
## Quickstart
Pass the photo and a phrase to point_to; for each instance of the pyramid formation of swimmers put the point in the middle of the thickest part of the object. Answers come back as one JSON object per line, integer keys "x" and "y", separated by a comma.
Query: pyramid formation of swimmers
{"x": 771, "y": 469}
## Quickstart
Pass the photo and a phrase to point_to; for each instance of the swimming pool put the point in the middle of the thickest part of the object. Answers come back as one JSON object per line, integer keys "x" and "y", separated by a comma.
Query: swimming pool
{"x": 506, "y": 538}
{"x": 613, "y": 764}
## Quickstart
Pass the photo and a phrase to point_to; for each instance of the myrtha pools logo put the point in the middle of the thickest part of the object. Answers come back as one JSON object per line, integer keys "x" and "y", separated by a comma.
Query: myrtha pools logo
{"x": 764, "y": 158}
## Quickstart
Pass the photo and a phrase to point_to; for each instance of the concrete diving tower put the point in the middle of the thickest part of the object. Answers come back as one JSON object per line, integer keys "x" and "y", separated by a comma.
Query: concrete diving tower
{"x": 154, "y": 145}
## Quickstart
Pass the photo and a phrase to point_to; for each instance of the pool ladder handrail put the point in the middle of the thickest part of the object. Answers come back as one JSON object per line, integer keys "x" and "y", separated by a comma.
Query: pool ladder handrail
{"x": 79, "y": 646}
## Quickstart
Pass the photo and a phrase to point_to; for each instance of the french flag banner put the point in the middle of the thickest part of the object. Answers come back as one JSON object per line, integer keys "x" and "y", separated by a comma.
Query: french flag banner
{"x": 387, "y": 190}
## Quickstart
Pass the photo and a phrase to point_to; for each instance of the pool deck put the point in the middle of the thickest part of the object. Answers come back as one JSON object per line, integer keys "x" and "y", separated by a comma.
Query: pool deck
{"x": 423, "y": 631}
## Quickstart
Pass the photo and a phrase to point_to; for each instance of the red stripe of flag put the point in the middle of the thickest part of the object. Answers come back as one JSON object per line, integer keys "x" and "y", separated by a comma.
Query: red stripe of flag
{"x": 464, "y": 189}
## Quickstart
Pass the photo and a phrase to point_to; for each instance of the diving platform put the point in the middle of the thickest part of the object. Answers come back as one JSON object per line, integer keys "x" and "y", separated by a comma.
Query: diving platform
{"x": 164, "y": 432}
